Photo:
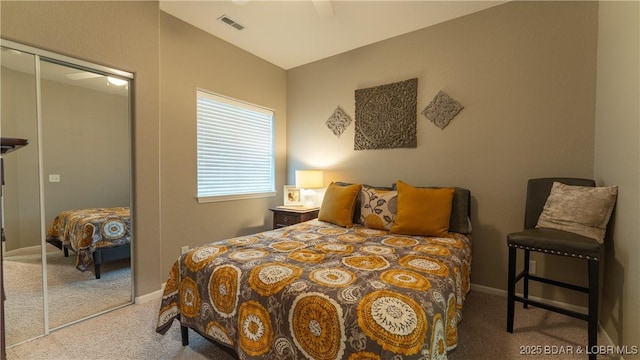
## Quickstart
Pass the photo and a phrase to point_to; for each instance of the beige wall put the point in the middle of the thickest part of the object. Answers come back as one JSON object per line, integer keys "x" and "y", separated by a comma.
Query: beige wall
{"x": 191, "y": 59}
{"x": 121, "y": 35}
{"x": 525, "y": 74}
{"x": 20, "y": 193}
{"x": 617, "y": 162}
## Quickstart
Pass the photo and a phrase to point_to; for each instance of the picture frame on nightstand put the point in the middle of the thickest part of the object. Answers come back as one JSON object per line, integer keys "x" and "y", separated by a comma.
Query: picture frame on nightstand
{"x": 292, "y": 196}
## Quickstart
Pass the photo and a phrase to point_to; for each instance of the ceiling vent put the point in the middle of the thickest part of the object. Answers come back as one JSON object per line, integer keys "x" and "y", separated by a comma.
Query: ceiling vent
{"x": 227, "y": 20}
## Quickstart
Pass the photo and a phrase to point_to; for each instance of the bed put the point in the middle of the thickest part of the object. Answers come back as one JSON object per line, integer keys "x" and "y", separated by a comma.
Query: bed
{"x": 325, "y": 290}
{"x": 96, "y": 235}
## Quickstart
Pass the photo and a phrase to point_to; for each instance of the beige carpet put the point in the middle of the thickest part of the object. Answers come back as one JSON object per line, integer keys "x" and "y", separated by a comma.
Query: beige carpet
{"x": 128, "y": 333}
{"x": 73, "y": 295}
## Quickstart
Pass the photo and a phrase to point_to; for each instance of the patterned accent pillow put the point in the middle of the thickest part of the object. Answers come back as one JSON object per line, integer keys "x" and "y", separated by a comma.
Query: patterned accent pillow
{"x": 378, "y": 207}
{"x": 582, "y": 210}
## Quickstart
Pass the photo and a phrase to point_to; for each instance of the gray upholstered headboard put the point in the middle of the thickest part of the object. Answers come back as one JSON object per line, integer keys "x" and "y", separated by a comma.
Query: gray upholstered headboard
{"x": 460, "y": 211}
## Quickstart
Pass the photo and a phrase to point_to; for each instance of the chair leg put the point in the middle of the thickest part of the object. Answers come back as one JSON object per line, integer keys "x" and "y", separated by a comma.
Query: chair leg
{"x": 511, "y": 288}
{"x": 525, "y": 292}
{"x": 593, "y": 305}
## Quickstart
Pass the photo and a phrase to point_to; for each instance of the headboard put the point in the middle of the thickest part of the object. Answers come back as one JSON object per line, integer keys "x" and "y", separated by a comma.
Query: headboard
{"x": 460, "y": 211}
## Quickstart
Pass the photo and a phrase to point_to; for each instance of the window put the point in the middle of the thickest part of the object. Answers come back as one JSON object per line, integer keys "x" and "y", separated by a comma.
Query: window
{"x": 235, "y": 149}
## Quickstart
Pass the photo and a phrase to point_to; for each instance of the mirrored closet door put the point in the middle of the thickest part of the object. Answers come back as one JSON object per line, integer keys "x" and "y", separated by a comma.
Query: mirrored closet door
{"x": 67, "y": 195}
{"x": 21, "y": 240}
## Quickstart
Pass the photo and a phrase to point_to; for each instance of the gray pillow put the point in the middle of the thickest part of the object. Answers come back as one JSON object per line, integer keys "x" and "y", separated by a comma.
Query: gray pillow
{"x": 582, "y": 210}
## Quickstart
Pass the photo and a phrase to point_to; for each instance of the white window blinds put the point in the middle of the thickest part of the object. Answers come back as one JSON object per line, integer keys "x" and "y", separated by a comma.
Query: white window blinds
{"x": 235, "y": 149}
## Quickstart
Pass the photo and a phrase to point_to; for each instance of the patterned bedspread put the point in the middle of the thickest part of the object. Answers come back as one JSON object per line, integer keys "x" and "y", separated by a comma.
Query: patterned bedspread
{"x": 85, "y": 230}
{"x": 318, "y": 291}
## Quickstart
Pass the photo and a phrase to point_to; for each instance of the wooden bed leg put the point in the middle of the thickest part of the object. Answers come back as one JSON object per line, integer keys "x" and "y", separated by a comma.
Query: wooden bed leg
{"x": 66, "y": 251}
{"x": 185, "y": 335}
{"x": 97, "y": 260}
{"x": 104, "y": 255}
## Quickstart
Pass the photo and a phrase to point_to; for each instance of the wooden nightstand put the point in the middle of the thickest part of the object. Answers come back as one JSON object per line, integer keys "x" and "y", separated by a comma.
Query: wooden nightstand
{"x": 288, "y": 216}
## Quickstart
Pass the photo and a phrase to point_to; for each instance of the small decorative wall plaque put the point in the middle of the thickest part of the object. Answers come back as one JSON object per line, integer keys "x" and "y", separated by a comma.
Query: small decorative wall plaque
{"x": 386, "y": 116}
{"x": 442, "y": 109}
{"x": 338, "y": 122}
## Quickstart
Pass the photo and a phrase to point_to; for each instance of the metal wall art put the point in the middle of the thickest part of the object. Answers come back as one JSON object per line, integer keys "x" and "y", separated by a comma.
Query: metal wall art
{"x": 338, "y": 122}
{"x": 441, "y": 110}
{"x": 386, "y": 116}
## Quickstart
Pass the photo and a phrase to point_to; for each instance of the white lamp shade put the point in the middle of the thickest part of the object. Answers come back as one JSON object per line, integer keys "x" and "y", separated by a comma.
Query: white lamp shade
{"x": 309, "y": 179}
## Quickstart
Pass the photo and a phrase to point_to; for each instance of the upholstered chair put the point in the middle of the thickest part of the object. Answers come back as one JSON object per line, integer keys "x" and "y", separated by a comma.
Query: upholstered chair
{"x": 554, "y": 242}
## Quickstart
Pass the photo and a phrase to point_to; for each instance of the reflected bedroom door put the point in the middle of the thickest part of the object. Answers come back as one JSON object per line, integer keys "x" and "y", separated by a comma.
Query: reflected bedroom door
{"x": 86, "y": 165}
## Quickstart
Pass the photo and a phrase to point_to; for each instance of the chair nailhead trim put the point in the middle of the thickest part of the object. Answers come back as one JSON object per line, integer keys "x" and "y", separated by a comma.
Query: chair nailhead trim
{"x": 581, "y": 256}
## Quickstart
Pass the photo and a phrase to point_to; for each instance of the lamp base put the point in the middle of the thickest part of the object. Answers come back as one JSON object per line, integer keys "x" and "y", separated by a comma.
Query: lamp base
{"x": 309, "y": 198}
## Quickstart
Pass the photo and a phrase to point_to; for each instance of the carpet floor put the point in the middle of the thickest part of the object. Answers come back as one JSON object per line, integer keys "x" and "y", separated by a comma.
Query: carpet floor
{"x": 128, "y": 333}
{"x": 72, "y": 294}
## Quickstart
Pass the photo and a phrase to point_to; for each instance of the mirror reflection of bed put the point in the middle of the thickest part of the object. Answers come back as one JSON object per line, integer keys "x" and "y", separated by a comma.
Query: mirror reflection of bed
{"x": 95, "y": 235}
{"x": 81, "y": 162}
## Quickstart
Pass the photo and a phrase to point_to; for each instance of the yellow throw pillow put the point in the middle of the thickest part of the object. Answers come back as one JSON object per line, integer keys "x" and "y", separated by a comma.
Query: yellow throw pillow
{"x": 422, "y": 211}
{"x": 338, "y": 204}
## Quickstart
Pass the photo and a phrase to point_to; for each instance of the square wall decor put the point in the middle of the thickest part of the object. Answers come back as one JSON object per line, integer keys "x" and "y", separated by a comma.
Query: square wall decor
{"x": 338, "y": 121}
{"x": 386, "y": 116}
{"x": 442, "y": 109}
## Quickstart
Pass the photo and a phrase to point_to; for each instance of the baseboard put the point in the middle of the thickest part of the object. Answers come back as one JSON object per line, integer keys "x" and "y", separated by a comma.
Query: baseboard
{"x": 150, "y": 296}
{"x": 488, "y": 290}
{"x": 583, "y": 309}
{"x": 606, "y": 336}
{"x": 494, "y": 291}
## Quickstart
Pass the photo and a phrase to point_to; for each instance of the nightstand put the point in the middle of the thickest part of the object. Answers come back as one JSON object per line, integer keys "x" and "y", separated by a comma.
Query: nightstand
{"x": 285, "y": 216}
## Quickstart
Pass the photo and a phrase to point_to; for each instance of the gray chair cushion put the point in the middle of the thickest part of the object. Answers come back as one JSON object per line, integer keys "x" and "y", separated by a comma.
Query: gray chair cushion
{"x": 556, "y": 242}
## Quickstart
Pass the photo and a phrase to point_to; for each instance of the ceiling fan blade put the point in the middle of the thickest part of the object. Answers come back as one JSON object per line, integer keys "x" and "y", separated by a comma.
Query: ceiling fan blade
{"x": 82, "y": 75}
{"x": 323, "y": 8}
